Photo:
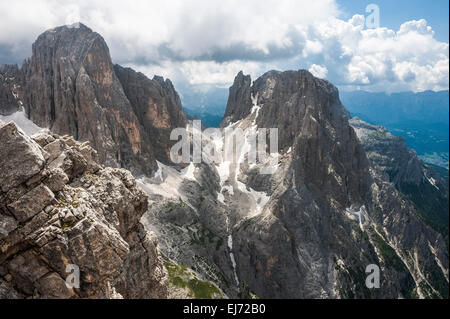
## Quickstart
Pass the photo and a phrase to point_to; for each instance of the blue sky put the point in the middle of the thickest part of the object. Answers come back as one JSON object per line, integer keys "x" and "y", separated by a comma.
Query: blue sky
{"x": 394, "y": 12}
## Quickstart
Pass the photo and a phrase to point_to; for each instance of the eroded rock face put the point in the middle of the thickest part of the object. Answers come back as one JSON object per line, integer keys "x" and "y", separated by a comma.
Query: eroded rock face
{"x": 17, "y": 150}
{"x": 310, "y": 229}
{"x": 157, "y": 106}
{"x": 239, "y": 100}
{"x": 10, "y": 87}
{"x": 59, "y": 207}
{"x": 305, "y": 242}
{"x": 401, "y": 166}
{"x": 71, "y": 86}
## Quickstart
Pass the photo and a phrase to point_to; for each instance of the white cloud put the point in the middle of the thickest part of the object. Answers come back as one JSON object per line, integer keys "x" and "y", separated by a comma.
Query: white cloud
{"x": 208, "y": 42}
{"x": 318, "y": 71}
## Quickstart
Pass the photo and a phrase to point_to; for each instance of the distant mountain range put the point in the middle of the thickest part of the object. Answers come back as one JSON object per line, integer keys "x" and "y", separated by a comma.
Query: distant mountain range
{"x": 421, "y": 118}
{"x": 427, "y": 107}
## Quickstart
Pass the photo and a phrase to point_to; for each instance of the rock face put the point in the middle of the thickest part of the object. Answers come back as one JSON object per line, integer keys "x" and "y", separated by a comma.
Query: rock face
{"x": 310, "y": 229}
{"x": 423, "y": 186}
{"x": 59, "y": 207}
{"x": 10, "y": 81}
{"x": 239, "y": 100}
{"x": 157, "y": 106}
{"x": 308, "y": 239}
{"x": 70, "y": 86}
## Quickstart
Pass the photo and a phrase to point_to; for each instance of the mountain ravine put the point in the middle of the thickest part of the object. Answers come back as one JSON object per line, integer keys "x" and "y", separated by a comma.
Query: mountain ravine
{"x": 344, "y": 195}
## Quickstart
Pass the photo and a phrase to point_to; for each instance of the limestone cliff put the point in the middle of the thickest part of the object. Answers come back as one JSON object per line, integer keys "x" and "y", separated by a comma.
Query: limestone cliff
{"x": 60, "y": 207}
{"x": 71, "y": 86}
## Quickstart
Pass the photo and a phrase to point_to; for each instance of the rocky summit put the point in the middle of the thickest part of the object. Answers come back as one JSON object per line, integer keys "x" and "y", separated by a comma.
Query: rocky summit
{"x": 71, "y": 86}
{"x": 59, "y": 207}
{"x": 311, "y": 229}
{"x": 343, "y": 196}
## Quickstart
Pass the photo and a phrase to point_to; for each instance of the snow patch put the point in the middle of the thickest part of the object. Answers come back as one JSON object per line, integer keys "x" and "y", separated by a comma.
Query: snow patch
{"x": 255, "y": 108}
{"x": 22, "y": 121}
{"x": 230, "y": 247}
{"x": 357, "y": 214}
{"x": 189, "y": 171}
{"x": 432, "y": 181}
{"x": 167, "y": 181}
{"x": 233, "y": 261}
{"x": 221, "y": 198}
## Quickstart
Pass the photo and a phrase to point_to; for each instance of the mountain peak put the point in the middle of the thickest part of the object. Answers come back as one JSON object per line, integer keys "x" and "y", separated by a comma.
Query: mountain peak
{"x": 275, "y": 87}
{"x": 77, "y": 26}
{"x": 71, "y": 86}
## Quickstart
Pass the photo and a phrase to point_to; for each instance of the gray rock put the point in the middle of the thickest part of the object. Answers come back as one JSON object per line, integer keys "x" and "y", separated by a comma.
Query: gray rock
{"x": 7, "y": 225}
{"x": 91, "y": 221}
{"x": 329, "y": 211}
{"x": 43, "y": 137}
{"x": 20, "y": 157}
{"x": 10, "y": 80}
{"x": 71, "y": 86}
{"x": 7, "y": 291}
{"x": 32, "y": 203}
{"x": 410, "y": 176}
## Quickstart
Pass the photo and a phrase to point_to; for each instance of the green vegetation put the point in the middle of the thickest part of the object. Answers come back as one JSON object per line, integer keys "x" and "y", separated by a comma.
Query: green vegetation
{"x": 212, "y": 273}
{"x": 378, "y": 134}
{"x": 431, "y": 205}
{"x": 182, "y": 277}
{"x": 427, "y": 291}
{"x": 74, "y": 202}
{"x": 68, "y": 225}
{"x": 430, "y": 221}
{"x": 357, "y": 276}
{"x": 205, "y": 236}
{"x": 172, "y": 205}
{"x": 391, "y": 259}
{"x": 435, "y": 277}
{"x": 388, "y": 254}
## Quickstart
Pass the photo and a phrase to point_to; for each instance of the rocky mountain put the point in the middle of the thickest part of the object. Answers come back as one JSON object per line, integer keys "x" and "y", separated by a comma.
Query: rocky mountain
{"x": 71, "y": 86}
{"x": 310, "y": 229}
{"x": 157, "y": 106}
{"x": 60, "y": 207}
{"x": 410, "y": 176}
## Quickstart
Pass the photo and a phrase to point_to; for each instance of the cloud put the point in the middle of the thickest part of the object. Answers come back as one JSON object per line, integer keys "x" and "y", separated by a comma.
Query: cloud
{"x": 318, "y": 71}
{"x": 206, "y": 42}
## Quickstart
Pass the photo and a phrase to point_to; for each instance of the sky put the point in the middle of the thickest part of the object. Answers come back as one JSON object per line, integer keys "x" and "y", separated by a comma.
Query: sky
{"x": 395, "y": 12}
{"x": 202, "y": 44}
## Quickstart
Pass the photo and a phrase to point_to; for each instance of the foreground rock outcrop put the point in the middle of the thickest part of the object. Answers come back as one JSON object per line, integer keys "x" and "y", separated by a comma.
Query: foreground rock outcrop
{"x": 60, "y": 207}
{"x": 70, "y": 86}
